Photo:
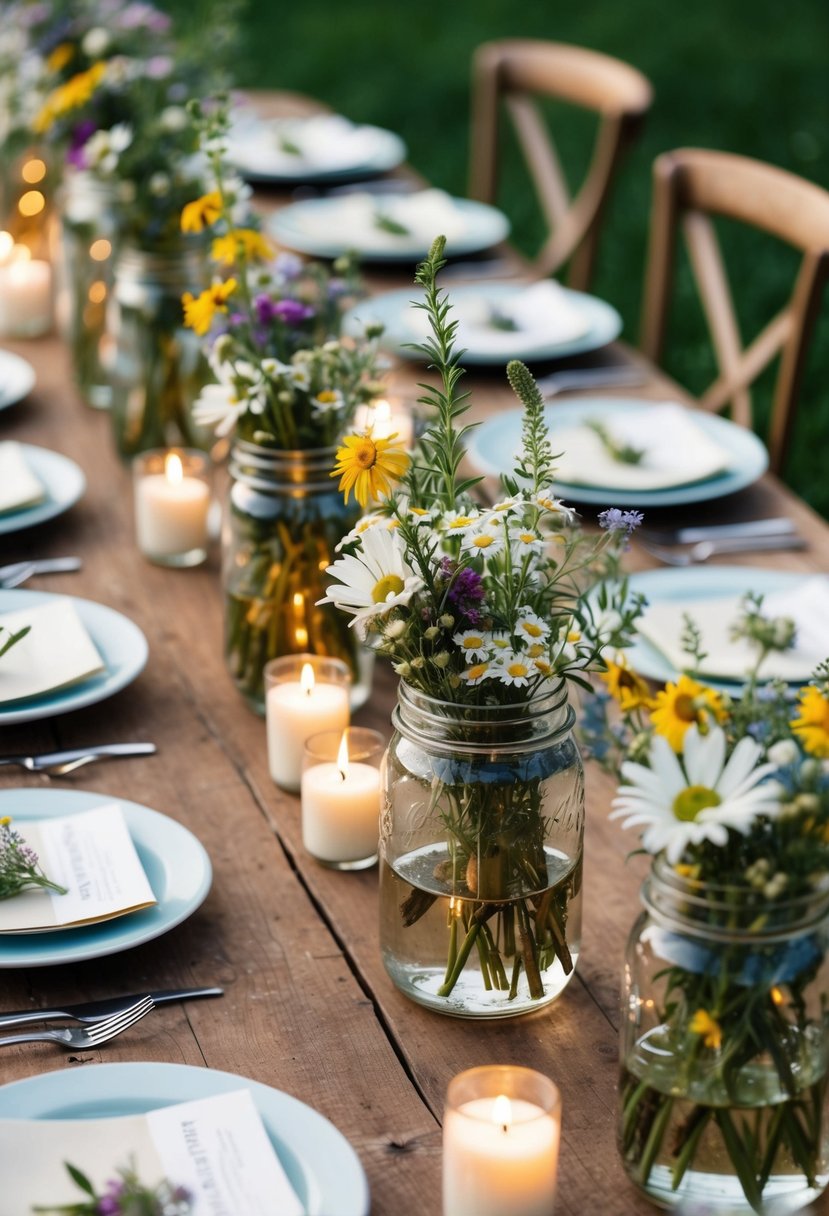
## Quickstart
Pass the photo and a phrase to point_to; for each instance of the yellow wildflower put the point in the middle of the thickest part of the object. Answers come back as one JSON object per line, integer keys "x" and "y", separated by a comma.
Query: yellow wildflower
{"x": 246, "y": 242}
{"x": 680, "y": 705}
{"x": 626, "y": 687}
{"x": 368, "y": 466}
{"x": 812, "y": 722}
{"x": 703, "y": 1024}
{"x": 202, "y": 212}
{"x": 60, "y": 56}
{"x": 69, "y": 96}
{"x": 200, "y": 310}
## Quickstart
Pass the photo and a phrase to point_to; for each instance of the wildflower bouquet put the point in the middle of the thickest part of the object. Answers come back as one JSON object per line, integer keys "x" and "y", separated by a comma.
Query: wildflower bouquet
{"x": 286, "y": 385}
{"x": 125, "y": 1195}
{"x": 20, "y": 868}
{"x": 483, "y": 612}
{"x": 726, "y": 1051}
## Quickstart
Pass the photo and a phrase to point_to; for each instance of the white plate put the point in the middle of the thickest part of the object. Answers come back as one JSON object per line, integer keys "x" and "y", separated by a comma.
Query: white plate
{"x": 64, "y": 483}
{"x": 17, "y": 379}
{"x": 120, "y": 643}
{"x": 494, "y": 444}
{"x": 321, "y": 1165}
{"x": 251, "y": 139}
{"x": 175, "y": 862}
{"x": 483, "y": 227}
{"x": 396, "y": 312}
{"x": 687, "y": 584}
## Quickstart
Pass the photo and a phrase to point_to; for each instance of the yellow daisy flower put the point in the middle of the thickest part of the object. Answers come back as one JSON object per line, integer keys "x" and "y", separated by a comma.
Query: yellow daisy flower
{"x": 245, "y": 241}
{"x": 681, "y": 705}
{"x": 812, "y": 722}
{"x": 200, "y": 310}
{"x": 703, "y": 1024}
{"x": 368, "y": 466}
{"x": 60, "y": 56}
{"x": 69, "y": 96}
{"x": 626, "y": 687}
{"x": 202, "y": 212}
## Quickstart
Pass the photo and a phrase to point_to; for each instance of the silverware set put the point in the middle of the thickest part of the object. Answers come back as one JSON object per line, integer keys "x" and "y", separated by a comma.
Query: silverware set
{"x": 691, "y": 546}
{"x": 85, "y": 1038}
{"x": 58, "y": 764}
{"x": 18, "y": 572}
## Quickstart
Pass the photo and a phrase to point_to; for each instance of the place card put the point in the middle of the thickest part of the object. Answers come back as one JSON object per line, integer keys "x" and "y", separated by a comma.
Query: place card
{"x": 19, "y": 487}
{"x": 807, "y": 605}
{"x": 56, "y": 653}
{"x": 675, "y": 450}
{"x": 92, "y": 855}
{"x": 215, "y": 1147}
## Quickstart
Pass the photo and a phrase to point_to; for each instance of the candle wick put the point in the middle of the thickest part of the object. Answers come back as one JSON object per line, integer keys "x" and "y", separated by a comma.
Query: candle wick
{"x": 505, "y": 1128}
{"x": 342, "y": 774}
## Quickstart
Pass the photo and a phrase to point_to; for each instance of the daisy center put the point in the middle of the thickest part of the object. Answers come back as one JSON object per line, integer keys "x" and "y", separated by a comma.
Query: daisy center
{"x": 685, "y": 708}
{"x": 387, "y": 588}
{"x": 692, "y": 800}
{"x": 484, "y": 541}
{"x": 364, "y": 453}
{"x": 534, "y": 631}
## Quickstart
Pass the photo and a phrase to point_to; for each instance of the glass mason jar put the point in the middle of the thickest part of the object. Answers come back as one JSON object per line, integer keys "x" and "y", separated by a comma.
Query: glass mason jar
{"x": 725, "y": 1041}
{"x": 88, "y": 237}
{"x": 481, "y": 853}
{"x": 157, "y": 367}
{"x": 284, "y": 518}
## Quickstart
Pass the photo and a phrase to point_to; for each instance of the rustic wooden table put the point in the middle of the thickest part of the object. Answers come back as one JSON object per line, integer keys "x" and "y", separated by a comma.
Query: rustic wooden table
{"x": 307, "y": 1007}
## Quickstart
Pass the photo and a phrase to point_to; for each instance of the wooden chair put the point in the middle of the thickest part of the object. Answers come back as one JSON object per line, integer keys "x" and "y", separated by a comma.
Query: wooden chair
{"x": 692, "y": 185}
{"x": 517, "y": 71}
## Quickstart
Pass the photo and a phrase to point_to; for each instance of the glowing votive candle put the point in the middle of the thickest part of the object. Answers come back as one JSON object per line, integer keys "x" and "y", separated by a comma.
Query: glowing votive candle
{"x": 500, "y": 1143}
{"x": 172, "y": 501}
{"x": 341, "y": 797}
{"x": 304, "y": 695}
{"x": 385, "y": 418}
{"x": 25, "y": 295}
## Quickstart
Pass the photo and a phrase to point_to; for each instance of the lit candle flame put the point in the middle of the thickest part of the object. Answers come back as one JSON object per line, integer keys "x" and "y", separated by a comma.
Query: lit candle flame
{"x": 342, "y": 757}
{"x": 306, "y": 679}
{"x": 502, "y": 1112}
{"x": 777, "y": 995}
{"x": 173, "y": 469}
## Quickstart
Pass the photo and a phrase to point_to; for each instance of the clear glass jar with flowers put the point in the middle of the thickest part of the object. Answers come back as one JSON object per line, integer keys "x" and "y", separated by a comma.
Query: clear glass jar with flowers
{"x": 725, "y": 1038}
{"x": 286, "y": 386}
{"x": 482, "y": 610}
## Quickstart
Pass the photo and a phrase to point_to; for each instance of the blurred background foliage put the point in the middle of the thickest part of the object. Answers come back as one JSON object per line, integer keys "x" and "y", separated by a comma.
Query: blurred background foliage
{"x": 749, "y": 76}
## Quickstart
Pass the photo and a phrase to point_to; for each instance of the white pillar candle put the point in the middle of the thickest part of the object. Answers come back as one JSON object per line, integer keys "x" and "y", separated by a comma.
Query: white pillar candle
{"x": 341, "y": 809}
{"x": 295, "y": 710}
{"x": 499, "y": 1158}
{"x": 171, "y": 511}
{"x": 25, "y": 298}
{"x": 385, "y": 418}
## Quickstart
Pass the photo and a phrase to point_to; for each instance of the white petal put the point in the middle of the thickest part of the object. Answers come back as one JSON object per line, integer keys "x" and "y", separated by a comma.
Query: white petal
{"x": 742, "y": 761}
{"x": 704, "y": 756}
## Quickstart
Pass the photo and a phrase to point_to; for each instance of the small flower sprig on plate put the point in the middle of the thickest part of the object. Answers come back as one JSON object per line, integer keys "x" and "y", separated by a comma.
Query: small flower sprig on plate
{"x": 20, "y": 868}
{"x": 125, "y": 1195}
{"x": 9, "y": 639}
{"x": 285, "y": 378}
{"x": 475, "y": 603}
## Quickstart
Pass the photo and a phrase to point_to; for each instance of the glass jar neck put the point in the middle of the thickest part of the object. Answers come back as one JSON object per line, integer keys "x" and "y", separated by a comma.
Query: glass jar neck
{"x": 444, "y": 726}
{"x": 275, "y": 470}
{"x": 729, "y": 913}
{"x": 179, "y": 269}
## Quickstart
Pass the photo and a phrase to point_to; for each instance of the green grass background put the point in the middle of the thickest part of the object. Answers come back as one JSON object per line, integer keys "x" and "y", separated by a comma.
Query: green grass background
{"x": 749, "y": 76}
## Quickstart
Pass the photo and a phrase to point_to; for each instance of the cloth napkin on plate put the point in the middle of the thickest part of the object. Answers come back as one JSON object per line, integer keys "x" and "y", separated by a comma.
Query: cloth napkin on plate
{"x": 807, "y": 604}
{"x": 300, "y": 145}
{"x": 19, "y": 487}
{"x": 543, "y": 314}
{"x": 352, "y": 219}
{"x": 676, "y": 450}
{"x": 55, "y": 653}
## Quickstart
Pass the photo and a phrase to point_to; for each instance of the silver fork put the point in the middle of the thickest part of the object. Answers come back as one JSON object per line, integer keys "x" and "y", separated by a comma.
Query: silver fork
{"x": 86, "y": 1037}
{"x": 702, "y": 550}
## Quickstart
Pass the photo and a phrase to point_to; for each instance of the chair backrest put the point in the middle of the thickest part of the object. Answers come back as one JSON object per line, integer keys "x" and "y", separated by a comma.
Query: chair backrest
{"x": 690, "y": 186}
{"x": 515, "y": 72}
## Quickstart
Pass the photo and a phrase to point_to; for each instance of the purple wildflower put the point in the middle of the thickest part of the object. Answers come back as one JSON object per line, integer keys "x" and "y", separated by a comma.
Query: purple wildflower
{"x": 287, "y": 267}
{"x": 467, "y": 588}
{"x": 290, "y": 312}
{"x": 616, "y": 520}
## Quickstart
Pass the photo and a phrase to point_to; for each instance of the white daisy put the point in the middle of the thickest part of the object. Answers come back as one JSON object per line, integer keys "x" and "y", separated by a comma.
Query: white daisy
{"x": 514, "y": 669}
{"x": 506, "y": 506}
{"x": 374, "y": 580}
{"x": 473, "y": 643}
{"x": 555, "y": 507}
{"x": 458, "y": 523}
{"x": 525, "y": 542}
{"x": 218, "y": 408}
{"x": 328, "y": 401}
{"x": 530, "y": 626}
{"x": 700, "y": 798}
{"x": 484, "y": 541}
{"x": 478, "y": 673}
{"x": 362, "y": 525}
{"x": 500, "y": 641}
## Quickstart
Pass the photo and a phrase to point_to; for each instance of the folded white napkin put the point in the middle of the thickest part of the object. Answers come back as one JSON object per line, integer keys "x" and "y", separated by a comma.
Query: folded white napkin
{"x": 352, "y": 219}
{"x": 540, "y": 315}
{"x": 56, "y": 652}
{"x": 300, "y": 145}
{"x": 19, "y": 487}
{"x": 807, "y": 604}
{"x": 676, "y": 450}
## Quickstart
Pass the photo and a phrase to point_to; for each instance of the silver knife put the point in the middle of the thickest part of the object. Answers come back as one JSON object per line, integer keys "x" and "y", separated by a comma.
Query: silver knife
{"x": 47, "y": 760}
{"x": 96, "y": 1011}
{"x": 743, "y": 530}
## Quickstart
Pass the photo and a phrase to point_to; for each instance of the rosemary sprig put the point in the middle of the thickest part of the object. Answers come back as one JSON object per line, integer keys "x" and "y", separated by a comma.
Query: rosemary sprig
{"x": 625, "y": 453}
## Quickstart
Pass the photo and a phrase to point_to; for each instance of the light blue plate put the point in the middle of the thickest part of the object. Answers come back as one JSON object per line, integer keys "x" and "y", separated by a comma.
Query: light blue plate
{"x": 321, "y": 1165}
{"x": 396, "y": 312}
{"x": 120, "y": 643}
{"x": 484, "y": 226}
{"x": 17, "y": 379}
{"x": 389, "y": 152}
{"x": 64, "y": 483}
{"x": 494, "y": 444}
{"x": 685, "y": 585}
{"x": 175, "y": 862}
